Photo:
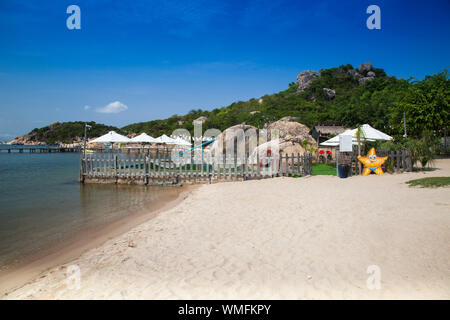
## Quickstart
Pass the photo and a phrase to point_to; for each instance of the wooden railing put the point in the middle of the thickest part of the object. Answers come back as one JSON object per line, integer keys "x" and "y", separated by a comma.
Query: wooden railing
{"x": 163, "y": 168}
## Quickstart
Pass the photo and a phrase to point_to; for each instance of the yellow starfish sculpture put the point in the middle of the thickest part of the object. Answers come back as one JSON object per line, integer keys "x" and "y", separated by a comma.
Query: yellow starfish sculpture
{"x": 372, "y": 163}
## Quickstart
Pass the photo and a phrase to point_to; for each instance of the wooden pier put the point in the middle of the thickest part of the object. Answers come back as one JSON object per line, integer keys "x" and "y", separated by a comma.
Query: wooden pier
{"x": 30, "y": 149}
{"x": 163, "y": 168}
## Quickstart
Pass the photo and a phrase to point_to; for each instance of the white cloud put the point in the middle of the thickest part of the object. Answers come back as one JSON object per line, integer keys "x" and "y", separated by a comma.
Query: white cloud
{"x": 113, "y": 107}
{"x": 86, "y": 107}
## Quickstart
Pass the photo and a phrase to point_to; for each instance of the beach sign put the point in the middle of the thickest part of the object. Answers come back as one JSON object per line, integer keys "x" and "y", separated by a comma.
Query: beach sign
{"x": 345, "y": 143}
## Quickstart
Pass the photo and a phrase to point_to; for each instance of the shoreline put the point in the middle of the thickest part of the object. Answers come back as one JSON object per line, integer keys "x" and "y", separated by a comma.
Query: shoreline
{"x": 24, "y": 273}
{"x": 280, "y": 238}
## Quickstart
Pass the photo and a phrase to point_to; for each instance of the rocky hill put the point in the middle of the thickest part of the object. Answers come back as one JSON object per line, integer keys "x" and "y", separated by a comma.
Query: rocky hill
{"x": 347, "y": 95}
{"x": 67, "y": 132}
{"x": 325, "y": 95}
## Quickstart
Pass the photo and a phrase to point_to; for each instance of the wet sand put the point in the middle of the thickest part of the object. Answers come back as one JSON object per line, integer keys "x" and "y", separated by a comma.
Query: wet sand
{"x": 35, "y": 266}
{"x": 283, "y": 238}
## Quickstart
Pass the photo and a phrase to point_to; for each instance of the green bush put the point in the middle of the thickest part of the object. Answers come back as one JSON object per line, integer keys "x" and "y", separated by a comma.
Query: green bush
{"x": 424, "y": 149}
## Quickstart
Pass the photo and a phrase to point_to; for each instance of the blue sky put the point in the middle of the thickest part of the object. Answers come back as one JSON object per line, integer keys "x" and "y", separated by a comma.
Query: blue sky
{"x": 152, "y": 59}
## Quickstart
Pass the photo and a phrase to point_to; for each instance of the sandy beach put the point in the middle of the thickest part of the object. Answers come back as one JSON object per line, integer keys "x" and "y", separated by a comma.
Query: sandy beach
{"x": 282, "y": 238}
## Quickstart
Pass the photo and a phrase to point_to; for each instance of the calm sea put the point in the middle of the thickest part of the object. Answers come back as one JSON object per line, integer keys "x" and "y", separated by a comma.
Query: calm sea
{"x": 42, "y": 204}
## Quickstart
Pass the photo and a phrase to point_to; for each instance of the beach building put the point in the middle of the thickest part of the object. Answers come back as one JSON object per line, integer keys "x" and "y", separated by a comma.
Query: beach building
{"x": 326, "y": 130}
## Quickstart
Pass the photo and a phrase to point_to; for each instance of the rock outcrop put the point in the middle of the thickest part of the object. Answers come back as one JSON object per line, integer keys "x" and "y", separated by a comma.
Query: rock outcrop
{"x": 27, "y": 139}
{"x": 330, "y": 93}
{"x": 365, "y": 67}
{"x": 226, "y": 138}
{"x": 291, "y": 137}
{"x": 363, "y": 80}
{"x": 31, "y": 138}
{"x": 305, "y": 78}
{"x": 284, "y": 146}
{"x": 365, "y": 73}
{"x": 354, "y": 73}
{"x": 289, "y": 129}
{"x": 201, "y": 120}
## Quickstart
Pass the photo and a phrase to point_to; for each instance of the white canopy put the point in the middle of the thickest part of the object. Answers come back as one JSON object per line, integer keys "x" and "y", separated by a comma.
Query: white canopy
{"x": 143, "y": 137}
{"x": 111, "y": 137}
{"x": 181, "y": 142}
{"x": 333, "y": 142}
{"x": 165, "y": 139}
{"x": 368, "y": 134}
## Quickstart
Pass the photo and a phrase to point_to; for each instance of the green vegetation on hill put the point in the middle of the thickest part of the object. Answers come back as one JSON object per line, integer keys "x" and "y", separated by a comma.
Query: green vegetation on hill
{"x": 380, "y": 102}
{"x": 67, "y": 132}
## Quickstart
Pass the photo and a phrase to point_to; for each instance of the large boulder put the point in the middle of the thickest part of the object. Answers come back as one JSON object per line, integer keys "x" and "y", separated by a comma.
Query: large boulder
{"x": 364, "y": 80}
{"x": 354, "y": 73}
{"x": 291, "y": 137}
{"x": 305, "y": 78}
{"x": 283, "y": 146}
{"x": 200, "y": 120}
{"x": 226, "y": 137}
{"x": 330, "y": 93}
{"x": 289, "y": 129}
{"x": 364, "y": 67}
{"x": 371, "y": 74}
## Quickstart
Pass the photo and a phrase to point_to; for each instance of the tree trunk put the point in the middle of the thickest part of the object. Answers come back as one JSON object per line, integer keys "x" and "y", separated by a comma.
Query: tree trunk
{"x": 359, "y": 153}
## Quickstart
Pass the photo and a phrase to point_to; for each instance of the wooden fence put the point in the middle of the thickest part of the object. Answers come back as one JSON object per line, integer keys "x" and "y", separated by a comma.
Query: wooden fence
{"x": 163, "y": 168}
{"x": 398, "y": 160}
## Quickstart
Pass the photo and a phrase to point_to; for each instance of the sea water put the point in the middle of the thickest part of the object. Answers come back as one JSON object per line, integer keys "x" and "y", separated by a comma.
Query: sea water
{"x": 43, "y": 205}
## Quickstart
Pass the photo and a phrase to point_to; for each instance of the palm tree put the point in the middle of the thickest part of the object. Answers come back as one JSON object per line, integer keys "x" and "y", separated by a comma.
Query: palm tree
{"x": 359, "y": 135}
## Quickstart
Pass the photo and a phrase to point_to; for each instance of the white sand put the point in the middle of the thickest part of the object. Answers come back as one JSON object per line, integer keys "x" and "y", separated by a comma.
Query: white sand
{"x": 278, "y": 238}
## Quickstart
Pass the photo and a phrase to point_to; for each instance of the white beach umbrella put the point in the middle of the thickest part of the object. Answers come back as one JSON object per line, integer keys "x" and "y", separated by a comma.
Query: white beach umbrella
{"x": 333, "y": 142}
{"x": 181, "y": 142}
{"x": 111, "y": 137}
{"x": 368, "y": 134}
{"x": 143, "y": 137}
{"x": 165, "y": 139}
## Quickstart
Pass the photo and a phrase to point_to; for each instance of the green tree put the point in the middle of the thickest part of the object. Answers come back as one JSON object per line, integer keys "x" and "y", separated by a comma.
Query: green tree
{"x": 426, "y": 106}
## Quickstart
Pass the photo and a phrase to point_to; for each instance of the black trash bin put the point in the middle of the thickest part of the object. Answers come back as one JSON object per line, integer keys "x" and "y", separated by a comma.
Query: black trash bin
{"x": 343, "y": 170}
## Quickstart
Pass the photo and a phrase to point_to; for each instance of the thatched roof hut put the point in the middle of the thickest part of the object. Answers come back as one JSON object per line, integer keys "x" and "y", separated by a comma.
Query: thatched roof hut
{"x": 326, "y": 130}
